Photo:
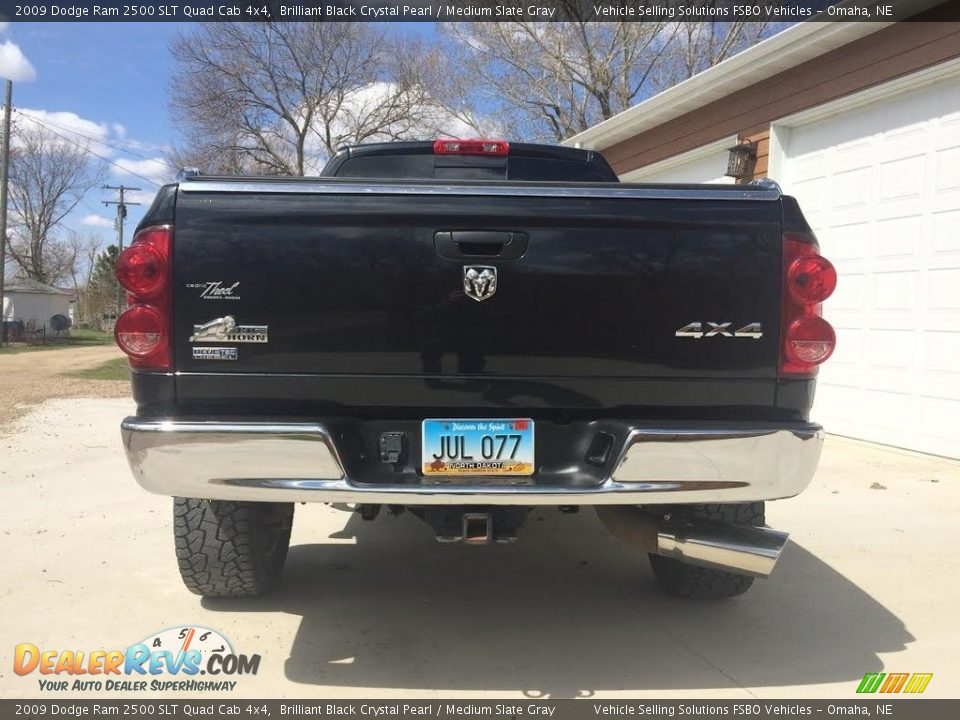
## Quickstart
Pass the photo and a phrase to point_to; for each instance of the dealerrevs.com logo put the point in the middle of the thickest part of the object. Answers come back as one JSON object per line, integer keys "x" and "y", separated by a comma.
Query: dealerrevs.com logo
{"x": 189, "y": 659}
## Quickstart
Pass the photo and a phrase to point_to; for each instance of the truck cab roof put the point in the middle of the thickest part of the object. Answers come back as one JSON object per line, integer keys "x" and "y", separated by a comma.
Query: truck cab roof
{"x": 528, "y": 162}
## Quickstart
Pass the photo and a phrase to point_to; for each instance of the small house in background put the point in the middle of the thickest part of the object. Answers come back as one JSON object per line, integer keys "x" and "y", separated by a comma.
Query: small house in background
{"x": 25, "y": 299}
{"x": 73, "y": 297}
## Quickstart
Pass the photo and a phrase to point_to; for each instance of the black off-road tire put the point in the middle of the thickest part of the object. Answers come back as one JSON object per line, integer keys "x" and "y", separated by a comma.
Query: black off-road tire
{"x": 229, "y": 549}
{"x": 689, "y": 581}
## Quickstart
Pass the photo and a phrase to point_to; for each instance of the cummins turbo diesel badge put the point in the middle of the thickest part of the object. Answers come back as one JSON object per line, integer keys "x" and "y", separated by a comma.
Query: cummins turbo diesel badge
{"x": 214, "y": 353}
{"x": 225, "y": 329}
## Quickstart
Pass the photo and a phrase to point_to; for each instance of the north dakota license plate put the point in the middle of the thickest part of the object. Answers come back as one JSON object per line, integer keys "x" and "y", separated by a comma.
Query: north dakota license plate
{"x": 478, "y": 447}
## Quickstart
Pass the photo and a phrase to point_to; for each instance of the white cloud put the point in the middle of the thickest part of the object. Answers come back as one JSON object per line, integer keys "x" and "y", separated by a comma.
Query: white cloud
{"x": 361, "y": 107}
{"x": 366, "y": 101}
{"x": 104, "y": 140}
{"x": 135, "y": 172}
{"x": 96, "y": 221}
{"x": 14, "y": 64}
{"x": 70, "y": 125}
{"x": 154, "y": 169}
{"x": 143, "y": 147}
{"x": 110, "y": 141}
{"x": 4, "y": 26}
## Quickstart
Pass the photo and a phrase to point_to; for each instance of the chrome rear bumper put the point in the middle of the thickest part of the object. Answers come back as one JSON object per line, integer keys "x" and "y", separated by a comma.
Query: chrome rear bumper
{"x": 299, "y": 462}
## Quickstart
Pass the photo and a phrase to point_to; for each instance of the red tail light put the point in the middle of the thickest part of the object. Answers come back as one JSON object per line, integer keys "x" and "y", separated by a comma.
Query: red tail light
{"x": 810, "y": 340}
{"x": 808, "y": 280}
{"x": 471, "y": 147}
{"x": 144, "y": 270}
{"x": 141, "y": 270}
{"x": 140, "y": 331}
{"x": 811, "y": 279}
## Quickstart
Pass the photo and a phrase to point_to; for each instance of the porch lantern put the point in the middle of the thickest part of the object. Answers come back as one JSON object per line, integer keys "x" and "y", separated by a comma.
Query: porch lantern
{"x": 740, "y": 159}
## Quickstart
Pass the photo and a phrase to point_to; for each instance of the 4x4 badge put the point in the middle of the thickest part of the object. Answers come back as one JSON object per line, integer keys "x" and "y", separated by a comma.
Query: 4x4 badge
{"x": 479, "y": 281}
{"x": 696, "y": 330}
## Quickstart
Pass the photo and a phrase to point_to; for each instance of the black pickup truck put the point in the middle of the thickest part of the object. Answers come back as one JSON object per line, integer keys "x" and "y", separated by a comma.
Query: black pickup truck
{"x": 467, "y": 329}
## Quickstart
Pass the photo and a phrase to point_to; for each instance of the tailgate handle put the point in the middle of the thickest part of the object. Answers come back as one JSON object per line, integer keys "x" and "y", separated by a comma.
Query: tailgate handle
{"x": 461, "y": 244}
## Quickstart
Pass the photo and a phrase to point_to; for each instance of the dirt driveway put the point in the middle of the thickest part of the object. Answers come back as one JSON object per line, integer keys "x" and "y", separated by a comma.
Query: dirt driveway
{"x": 868, "y": 583}
{"x": 28, "y": 378}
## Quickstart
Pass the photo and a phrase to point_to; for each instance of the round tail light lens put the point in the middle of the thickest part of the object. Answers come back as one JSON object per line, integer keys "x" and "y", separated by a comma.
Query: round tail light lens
{"x": 141, "y": 270}
{"x": 810, "y": 340}
{"x": 812, "y": 279}
{"x": 139, "y": 331}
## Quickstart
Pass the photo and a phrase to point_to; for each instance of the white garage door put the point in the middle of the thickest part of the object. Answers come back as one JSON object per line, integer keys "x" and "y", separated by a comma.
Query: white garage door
{"x": 703, "y": 165}
{"x": 880, "y": 185}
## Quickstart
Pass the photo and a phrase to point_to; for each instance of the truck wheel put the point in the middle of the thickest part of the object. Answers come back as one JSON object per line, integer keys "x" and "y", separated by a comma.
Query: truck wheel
{"x": 230, "y": 549}
{"x": 690, "y": 581}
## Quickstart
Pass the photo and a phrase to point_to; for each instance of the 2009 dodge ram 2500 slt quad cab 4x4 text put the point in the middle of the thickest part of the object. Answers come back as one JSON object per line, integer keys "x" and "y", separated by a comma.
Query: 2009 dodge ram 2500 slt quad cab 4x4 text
{"x": 467, "y": 329}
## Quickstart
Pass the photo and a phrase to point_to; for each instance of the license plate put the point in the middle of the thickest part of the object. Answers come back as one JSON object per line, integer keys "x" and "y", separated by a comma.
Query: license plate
{"x": 478, "y": 447}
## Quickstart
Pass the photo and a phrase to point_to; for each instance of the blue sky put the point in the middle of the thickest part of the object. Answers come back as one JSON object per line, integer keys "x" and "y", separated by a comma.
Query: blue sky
{"x": 114, "y": 76}
{"x": 108, "y": 81}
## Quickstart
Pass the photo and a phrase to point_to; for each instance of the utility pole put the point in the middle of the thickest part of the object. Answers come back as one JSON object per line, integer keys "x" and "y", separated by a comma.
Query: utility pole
{"x": 4, "y": 172}
{"x": 121, "y": 216}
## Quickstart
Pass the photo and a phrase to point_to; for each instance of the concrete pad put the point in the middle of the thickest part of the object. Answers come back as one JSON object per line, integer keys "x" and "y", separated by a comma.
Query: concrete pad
{"x": 379, "y": 609}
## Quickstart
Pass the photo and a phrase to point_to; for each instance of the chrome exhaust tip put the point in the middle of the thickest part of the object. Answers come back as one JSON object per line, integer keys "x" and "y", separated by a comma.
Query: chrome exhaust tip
{"x": 741, "y": 549}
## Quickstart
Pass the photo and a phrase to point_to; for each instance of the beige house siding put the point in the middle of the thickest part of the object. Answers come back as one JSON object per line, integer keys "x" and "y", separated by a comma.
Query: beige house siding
{"x": 760, "y": 137}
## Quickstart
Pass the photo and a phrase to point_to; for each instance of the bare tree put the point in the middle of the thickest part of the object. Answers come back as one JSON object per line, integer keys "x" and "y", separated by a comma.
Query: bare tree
{"x": 48, "y": 179}
{"x": 212, "y": 157}
{"x": 279, "y": 98}
{"x": 553, "y": 80}
{"x": 83, "y": 251}
{"x": 697, "y": 46}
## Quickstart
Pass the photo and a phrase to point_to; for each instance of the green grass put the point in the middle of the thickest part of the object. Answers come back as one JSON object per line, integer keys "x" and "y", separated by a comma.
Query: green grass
{"x": 116, "y": 369}
{"x": 77, "y": 338}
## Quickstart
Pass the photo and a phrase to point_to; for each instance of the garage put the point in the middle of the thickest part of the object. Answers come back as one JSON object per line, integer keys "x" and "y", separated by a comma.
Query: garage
{"x": 861, "y": 123}
{"x": 880, "y": 184}
{"x": 707, "y": 164}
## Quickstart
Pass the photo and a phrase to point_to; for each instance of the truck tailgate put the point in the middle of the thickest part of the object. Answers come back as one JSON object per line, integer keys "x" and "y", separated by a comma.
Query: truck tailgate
{"x": 351, "y": 281}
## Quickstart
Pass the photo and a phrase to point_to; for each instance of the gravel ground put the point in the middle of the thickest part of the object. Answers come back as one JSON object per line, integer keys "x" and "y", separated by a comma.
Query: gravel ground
{"x": 29, "y": 378}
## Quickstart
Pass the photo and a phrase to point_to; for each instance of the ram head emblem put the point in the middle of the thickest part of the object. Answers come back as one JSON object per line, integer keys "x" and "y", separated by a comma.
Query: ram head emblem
{"x": 479, "y": 281}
